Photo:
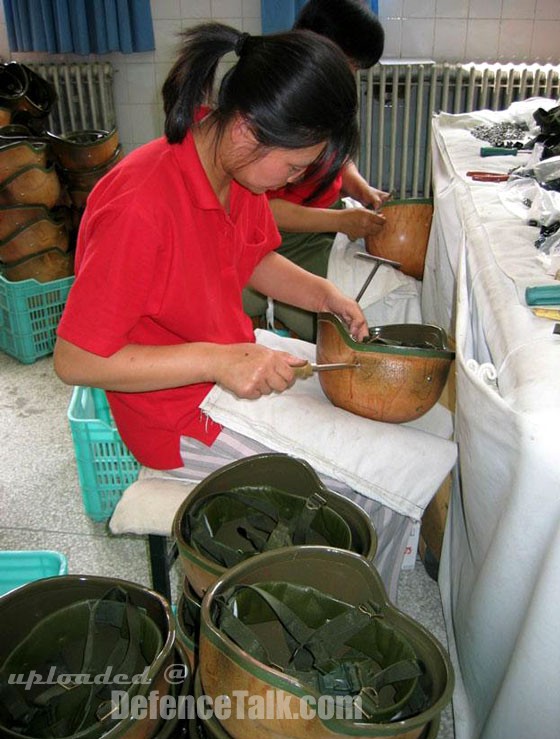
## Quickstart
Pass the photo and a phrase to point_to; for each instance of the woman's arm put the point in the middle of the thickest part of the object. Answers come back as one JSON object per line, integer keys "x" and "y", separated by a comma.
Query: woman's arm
{"x": 354, "y": 185}
{"x": 247, "y": 370}
{"x": 302, "y": 218}
{"x": 354, "y": 222}
{"x": 283, "y": 280}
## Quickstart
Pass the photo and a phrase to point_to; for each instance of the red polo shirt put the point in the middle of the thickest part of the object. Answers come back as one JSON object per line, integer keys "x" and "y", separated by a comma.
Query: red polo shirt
{"x": 160, "y": 262}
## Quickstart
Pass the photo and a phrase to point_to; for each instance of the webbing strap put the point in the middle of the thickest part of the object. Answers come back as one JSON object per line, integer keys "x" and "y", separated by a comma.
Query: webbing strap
{"x": 313, "y": 648}
{"x": 262, "y": 527}
{"x": 243, "y": 636}
{"x": 13, "y": 703}
{"x": 65, "y": 709}
{"x": 321, "y": 657}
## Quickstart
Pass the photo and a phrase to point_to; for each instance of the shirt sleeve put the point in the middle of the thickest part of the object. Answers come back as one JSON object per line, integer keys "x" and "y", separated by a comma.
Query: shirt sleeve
{"x": 116, "y": 259}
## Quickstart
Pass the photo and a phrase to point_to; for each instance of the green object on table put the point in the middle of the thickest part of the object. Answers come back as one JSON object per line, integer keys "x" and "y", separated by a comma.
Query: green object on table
{"x": 497, "y": 151}
{"x": 543, "y": 295}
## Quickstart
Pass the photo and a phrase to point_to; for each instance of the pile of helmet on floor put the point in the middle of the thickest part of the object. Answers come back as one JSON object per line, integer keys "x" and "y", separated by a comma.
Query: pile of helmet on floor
{"x": 282, "y": 629}
{"x": 44, "y": 178}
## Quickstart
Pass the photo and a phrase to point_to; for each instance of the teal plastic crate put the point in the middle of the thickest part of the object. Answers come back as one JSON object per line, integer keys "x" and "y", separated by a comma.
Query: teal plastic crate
{"x": 105, "y": 466}
{"x": 21, "y": 567}
{"x": 29, "y": 315}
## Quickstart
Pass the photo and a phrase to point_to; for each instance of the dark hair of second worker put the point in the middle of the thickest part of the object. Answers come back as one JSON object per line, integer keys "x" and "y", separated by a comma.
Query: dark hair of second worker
{"x": 295, "y": 90}
{"x": 350, "y": 24}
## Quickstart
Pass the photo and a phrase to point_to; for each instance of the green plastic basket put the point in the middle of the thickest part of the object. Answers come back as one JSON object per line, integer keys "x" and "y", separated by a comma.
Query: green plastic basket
{"x": 105, "y": 466}
{"x": 29, "y": 315}
{"x": 21, "y": 567}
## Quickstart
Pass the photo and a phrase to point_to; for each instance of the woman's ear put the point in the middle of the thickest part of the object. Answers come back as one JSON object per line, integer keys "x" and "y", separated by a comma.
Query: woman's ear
{"x": 241, "y": 133}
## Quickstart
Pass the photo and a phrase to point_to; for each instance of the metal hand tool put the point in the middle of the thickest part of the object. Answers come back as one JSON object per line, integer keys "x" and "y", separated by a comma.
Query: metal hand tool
{"x": 378, "y": 262}
{"x": 306, "y": 370}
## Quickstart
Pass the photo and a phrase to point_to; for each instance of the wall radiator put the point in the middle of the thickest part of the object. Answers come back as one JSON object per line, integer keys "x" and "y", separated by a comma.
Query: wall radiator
{"x": 397, "y": 102}
{"x": 84, "y": 95}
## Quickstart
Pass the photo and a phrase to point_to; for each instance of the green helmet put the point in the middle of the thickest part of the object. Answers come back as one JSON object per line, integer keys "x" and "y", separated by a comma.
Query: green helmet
{"x": 188, "y": 623}
{"x": 261, "y": 503}
{"x": 177, "y": 726}
{"x": 70, "y": 642}
{"x": 210, "y": 727}
{"x": 313, "y": 626}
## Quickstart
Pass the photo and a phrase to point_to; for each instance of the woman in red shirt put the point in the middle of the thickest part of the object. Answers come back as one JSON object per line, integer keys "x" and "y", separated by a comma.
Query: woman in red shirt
{"x": 172, "y": 235}
{"x": 310, "y": 214}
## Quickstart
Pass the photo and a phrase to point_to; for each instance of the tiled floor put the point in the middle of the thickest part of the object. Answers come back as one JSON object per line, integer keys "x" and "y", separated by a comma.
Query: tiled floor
{"x": 41, "y": 507}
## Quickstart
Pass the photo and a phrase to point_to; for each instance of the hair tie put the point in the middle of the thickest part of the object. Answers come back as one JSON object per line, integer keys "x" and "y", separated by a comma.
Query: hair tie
{"x": 240, "y": 43}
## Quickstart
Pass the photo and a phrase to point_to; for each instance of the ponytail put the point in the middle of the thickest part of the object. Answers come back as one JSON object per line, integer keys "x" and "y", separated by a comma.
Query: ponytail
{"x": 191, "y": 80}
{"x": 294, "y": 89}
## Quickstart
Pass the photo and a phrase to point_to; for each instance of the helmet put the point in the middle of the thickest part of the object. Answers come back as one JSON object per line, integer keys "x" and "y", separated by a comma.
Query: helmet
{"x": 177, "y": 727}
{"x": 261, "y": 503}
{"x": 73, "y": 640}
{"x": 401, "y": 369}
{"x": 313, "y": 626}
{"x": 404, "y": 236}
{"x": 204, "y": 728}
{"x": 26, "y": 93}
{"x": 188, "y": 623}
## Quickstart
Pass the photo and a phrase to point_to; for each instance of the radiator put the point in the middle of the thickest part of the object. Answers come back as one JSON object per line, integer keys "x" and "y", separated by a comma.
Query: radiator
{"x": 397, "y": 102}
{"x": 84, "y": 95}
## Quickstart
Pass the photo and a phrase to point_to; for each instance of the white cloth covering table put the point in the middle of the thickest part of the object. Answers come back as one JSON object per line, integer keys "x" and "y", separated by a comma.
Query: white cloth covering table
{"x": 500, "y": 568}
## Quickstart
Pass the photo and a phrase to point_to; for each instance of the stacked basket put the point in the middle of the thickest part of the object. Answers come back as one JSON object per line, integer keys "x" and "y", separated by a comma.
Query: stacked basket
{"x": 282, "y": 606}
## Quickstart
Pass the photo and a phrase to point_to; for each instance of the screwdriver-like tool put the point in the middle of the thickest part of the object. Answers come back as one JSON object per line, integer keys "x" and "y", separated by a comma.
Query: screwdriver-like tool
{"x": 306, "y": 370}
{"x": 378, "y": 262}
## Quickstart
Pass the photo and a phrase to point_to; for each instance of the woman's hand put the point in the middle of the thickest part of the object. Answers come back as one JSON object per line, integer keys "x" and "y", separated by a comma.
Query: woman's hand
{"x": 251, "y": 370}
{"x": 370, "y": 197}
{"x": 358, "y": 222}
{"x": 283, "y": 280}
{"x": 349, "y": 312}
{"x": 358, "y": 187}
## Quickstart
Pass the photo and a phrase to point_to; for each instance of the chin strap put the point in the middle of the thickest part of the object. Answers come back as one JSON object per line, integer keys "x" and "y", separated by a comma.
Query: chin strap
{"x": 258, "y": 524}
{"x": 329, "y": 658}
{"x": 114, "y": 639}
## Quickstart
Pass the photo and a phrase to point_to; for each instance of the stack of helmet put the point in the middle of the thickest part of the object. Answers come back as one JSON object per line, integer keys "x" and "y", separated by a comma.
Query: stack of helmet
{"x": 282, "y": 607}
{"x": 26, "y": 98}
{"x": 89, "y": 657}
{"x": 45, "y": 178}
{"x": 83, "y": 158}
{"x": 257, "y": 504}
{"x": 283, "y": 626}
{"x": 34, "y": 234}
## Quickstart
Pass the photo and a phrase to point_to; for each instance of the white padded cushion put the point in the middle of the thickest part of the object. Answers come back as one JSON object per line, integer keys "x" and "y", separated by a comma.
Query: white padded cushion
{"x": 149, "y": 507}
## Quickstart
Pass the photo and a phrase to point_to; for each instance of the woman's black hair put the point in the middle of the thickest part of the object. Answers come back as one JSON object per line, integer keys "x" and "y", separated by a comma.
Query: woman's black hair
{"x": 294, "y": 89}
{"x": 350, "y": 24}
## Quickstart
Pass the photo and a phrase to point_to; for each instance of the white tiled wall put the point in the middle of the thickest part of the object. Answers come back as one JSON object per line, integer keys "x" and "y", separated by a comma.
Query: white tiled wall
{"x": 443, "y": 30}
{"x": 472, "y": 30}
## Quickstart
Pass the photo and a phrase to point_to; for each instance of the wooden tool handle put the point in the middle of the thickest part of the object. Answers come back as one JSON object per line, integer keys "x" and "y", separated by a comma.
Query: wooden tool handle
{"x": 303, "y": 371}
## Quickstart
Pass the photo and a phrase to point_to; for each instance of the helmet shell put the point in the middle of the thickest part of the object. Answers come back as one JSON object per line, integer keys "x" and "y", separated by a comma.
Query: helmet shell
{"x": 289, "y": 475}
{"x": 342, "y": 575}
{"x": 401, "y": 372}
{"x": 188, "y": 623}
{"x": 56, "y": 610}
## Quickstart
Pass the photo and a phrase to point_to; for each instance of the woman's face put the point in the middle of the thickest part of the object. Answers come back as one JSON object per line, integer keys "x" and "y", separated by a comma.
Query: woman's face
{"x": 276, "y": 168}
{"x": 260, "y": 169}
